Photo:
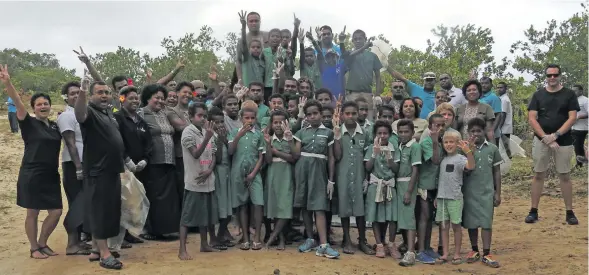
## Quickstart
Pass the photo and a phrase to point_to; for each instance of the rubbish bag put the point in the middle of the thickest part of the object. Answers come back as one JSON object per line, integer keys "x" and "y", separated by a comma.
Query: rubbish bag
{"x": 516, "y": 150}
{"x": 134, "y": 203}
{"x": 382, "y": 50}
{"x": 506, "y": 165}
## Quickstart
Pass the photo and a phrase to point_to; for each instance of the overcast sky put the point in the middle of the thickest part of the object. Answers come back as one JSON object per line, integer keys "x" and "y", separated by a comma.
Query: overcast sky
{"x": 59, "y": 27}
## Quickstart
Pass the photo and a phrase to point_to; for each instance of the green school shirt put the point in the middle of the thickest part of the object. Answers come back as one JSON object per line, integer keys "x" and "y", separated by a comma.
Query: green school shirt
{"x": 247, "y": 154}
{"x": 350, "y": 168}
{"x": 361, "y": 71}
{"x": 313, "y": 73}
{"x": 263, "y": 112}
{"x": 428, "y": 171}
{"x": 408, "y": 156}
{"x": 380, "y": 166}
{"x": 253, "y": 70}
{"x": 269, "y": 61}
{"x": 315, "y": 140}
{"x": 486, "y": 157}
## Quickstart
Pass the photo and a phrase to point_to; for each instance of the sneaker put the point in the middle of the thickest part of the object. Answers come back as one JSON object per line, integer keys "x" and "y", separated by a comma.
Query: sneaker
{"x": 423, "y": 258}
{"x": 380, "y": 251}
{"x": 307, "y": 246}
{"x": 488, "y": 261}
{"x": 473, "y": 257}
{"x": 572, "y": 220}
{"x": 532, "y": 217}
{"x": 430, "y": 252}
{"x": 408, "y": 259}
{"x": 327, "y": 252}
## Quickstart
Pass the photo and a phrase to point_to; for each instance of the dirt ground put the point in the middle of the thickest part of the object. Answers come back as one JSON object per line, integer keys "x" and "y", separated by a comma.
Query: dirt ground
{"x": 547, "y": 247}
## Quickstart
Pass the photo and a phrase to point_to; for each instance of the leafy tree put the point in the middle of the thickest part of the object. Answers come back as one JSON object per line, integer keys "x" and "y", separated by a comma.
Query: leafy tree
{"x": 124, "y": 61}
{"x": 563, "y": 43}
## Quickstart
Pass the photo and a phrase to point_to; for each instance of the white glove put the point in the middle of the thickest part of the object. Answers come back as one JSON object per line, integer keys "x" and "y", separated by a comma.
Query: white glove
{"x": 130, "y": 165}
{"x": 140, "y": 166}
{"x": 330, "y": 185}
{"x": 79, "y": 174}
{"x": 377, "y": 101}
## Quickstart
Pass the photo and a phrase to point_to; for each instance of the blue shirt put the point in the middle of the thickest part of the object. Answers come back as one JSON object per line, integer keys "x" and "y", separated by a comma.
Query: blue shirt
{"x": 334, "y": 47}
{"x": 493, "y": 100}
{"x": 333, "y": 78}
{"x": 11, "y": 106}
{"x": 428, "y": 98}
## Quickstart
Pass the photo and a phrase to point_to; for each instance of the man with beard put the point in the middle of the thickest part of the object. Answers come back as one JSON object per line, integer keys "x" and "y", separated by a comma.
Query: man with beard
{"x": 253, "y": 24}
{"x": 102, "y": 166}
{"x": 426, "y": 92}
{"x": 325, "y": 35}
{"x": 398, "y": 91}
{"x": 455, "y": 93}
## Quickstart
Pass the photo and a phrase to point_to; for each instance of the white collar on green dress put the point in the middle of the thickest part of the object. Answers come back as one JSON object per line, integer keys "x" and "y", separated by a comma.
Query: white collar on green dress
{"x": 358, "y": 129}
{"x": 407, "y": 145}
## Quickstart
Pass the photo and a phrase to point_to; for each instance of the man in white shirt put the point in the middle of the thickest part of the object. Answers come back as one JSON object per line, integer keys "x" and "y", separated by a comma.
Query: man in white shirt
{"x": 456, "y": 96}
{"x": 580, "y": 127}
{"x": 505, "y": 124}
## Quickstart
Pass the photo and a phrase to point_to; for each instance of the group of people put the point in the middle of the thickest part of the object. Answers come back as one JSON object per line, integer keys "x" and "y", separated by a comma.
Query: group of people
{"x": 269, "y": 149}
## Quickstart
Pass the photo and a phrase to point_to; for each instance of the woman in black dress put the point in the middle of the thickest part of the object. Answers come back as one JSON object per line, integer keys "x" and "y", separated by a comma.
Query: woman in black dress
{"x": 38, "y": 186}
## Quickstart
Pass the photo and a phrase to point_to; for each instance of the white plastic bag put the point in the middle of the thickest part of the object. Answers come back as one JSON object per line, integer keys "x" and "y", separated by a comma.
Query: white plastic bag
{"x": 506, "y": 165}
{"x": 516, "y": 150}
{"x": 134, "y": 203}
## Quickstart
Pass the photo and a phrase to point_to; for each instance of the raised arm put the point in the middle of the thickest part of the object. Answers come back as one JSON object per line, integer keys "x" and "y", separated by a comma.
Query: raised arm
{"x": 21, "y": 111}
{"x": 396, "y": 74}
{"x": 295, "y": 35}
{"x": 81, "y": 107}
{"x": 84, "y": 58}
{"x": 169, "y": 77}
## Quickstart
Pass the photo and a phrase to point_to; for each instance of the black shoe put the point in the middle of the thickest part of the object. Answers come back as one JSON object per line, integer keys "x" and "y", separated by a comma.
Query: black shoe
{"x": 532, "y": 217}
{"x": 572, "y": 220}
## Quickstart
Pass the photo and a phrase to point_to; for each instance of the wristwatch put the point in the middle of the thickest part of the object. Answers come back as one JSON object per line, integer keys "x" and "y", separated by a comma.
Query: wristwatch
{"x": 557, "y": 134}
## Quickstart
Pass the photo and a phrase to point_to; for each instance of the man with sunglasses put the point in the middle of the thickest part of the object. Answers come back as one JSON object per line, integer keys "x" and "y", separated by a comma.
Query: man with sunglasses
{"x": 398, "y": 91}
{"x": 551, "y": 113}
{"x": 426, "y": 92}
{"x": 455, "y": 93}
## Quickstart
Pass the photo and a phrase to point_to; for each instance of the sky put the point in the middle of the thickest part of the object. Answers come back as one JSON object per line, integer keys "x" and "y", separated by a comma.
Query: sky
{"x": 60, "y": 27}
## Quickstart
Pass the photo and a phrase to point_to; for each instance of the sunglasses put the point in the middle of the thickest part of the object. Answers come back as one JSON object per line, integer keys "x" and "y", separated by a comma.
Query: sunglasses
{"x": 398, "y": 87}
{"x": 552, "y": 75}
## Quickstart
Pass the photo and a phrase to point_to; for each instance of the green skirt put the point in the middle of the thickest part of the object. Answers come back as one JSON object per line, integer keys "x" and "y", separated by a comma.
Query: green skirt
{"x": 478, "y": 204}
{"x": 279, "y": 191}
{"x": 223, "y": 191}
{"x": 385, "y": 211}
{"x": 311, "y": 184}
{"x": 405, "y": 213}
{"x": 199, "y": 209}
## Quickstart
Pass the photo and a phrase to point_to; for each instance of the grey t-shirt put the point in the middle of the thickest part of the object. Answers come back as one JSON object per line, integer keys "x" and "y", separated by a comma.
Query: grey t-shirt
{"x": 231, "y": 124}
{"x": 66, "y": 121}
{"x": 450, "y": 180}
{"x": 192, "y": 136}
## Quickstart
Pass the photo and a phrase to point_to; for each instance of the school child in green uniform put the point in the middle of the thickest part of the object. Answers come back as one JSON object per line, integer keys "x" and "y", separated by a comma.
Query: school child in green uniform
{"x": 427, "y": 188}
{"x": 279, "y": 187}
{"x": 270, "y": 55}
{"x": 348, "y": 149}
{"x": 327, "y": 116}
{"x": 409, "y": 158}
{"x": 324, "y": 96}
{"x": 363, "y": 120}
{"x": 449, "y": 199}
{"x": 222, "y": 169}
{"x": 482, "y": 192}
{"x": 256, "y": 93}
{"x": 314, "y": 175}
{"x": 246, "y": 146}
{"x": 292, "y": 107}
{"x": 199, "y": 207}
{"x": 380, "y": 201}
{"x": 385, "y": 113}
{"x": 276, "y": 102}
{"x": 253, "y": 67}
{"x": 307, "y": 63}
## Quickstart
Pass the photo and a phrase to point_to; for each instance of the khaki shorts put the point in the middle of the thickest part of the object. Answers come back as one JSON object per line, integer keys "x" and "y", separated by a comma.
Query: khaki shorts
{"x": 352, "y": 96}
{"x": 541, "y": 154}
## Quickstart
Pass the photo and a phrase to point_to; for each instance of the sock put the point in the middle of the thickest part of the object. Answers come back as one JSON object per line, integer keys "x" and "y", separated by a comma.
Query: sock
{"x": 475, "y": 248}
{"x": 440, "y": 248}
{"x": 534, "y": 210}
{"x": 486, "y": 251}
{"x": 570, "y": 213}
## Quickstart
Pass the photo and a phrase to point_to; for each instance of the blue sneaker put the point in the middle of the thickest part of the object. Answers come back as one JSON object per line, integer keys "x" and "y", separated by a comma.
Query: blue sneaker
{"x": 307, "y": 246}
{"x": 327, "y": 252}
{"x": 430, "y": 252}
{"x": 423, "y": 258}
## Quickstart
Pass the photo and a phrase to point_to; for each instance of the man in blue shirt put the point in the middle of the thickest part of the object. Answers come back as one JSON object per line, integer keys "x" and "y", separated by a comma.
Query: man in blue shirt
{"x": 489, "y": 97}
{"x": 12, "y": 116}
{"x": 426, "y": 93}
{"x": 326, "y": 39}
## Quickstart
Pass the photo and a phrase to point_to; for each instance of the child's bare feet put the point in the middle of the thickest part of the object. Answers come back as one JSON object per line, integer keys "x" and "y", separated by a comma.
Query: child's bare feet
{"x": 207, "y": 248}
{"x": 184, "y": 256}
{"x": 349, "y": 247}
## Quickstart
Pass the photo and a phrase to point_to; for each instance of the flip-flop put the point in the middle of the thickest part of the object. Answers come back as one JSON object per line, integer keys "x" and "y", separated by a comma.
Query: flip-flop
{"x": 81, "y": 252}
{"x": 47, "y": 248}
{"x": 220, "y": 247}
{"x": 38, "y": 250}
{"x": 457, "y": 261}
{"x": 245, "y": 246}
{"x": 256, "y": 246}
{"x": 228, "y": 243}
{"x": 441, "y": 261}
{"x": 114, "y": 254}
{"x": 111, "y": 263}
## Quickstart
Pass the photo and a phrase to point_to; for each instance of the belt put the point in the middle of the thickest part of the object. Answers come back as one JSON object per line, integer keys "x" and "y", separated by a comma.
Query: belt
{"x": 313, "y": 155}
{"x": 384, "y": 188}
{"x": 278, "y": 160}
{"x": 404, "y": 179}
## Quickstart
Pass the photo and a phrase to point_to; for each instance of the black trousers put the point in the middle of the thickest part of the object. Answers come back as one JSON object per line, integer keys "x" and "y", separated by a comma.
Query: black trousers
{"x": 579, "y": 141}
{"x": 13, "y": 122}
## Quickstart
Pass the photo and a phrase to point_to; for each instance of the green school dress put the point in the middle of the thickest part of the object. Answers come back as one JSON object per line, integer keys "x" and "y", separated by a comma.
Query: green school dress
{"x": 407, "y": 156}
{"x": 263, "y": 112}
{"x": 350, "y": 173}
{"x": 243, "y": 162}
{"x": 279, "y": 189}
{"x": 311, "y": 168}
{"x": 392, "y": 139}
{"x": 428, "y": 171}
{"x": 223, "y": 189}
{"x": 253, "y": 70}
{"x": 270, "y": 65}
{"x": 479, "y": 188}
{"x": 381, "y": 201}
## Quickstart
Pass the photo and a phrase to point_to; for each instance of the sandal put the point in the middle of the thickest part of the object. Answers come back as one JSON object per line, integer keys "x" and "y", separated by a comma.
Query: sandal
{"x": 150, "y": 237}
{"x": 111, "y": 263}
{"x": 220, "y": 247}
{"x": 393, "y": 251}
{"x": 126, "y": 245}
{"x": 38, "y": 250}
{"x": 441, "y": 261}
{"x": 257, "y": 246}
{"x": 132, "y": 239}
{"x": 457, "y": 261}
{"x": 47, "y": 251}
{"x": 380, "y": 252}
{"x": 245, "y": 246}
{"x": 228, "y": 243}
{"x": 114, "y": 254}
{"x": 80, "y": 252}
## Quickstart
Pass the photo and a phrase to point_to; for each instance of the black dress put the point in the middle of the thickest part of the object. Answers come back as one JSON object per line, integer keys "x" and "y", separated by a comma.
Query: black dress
{"x": 38, "y": 184}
